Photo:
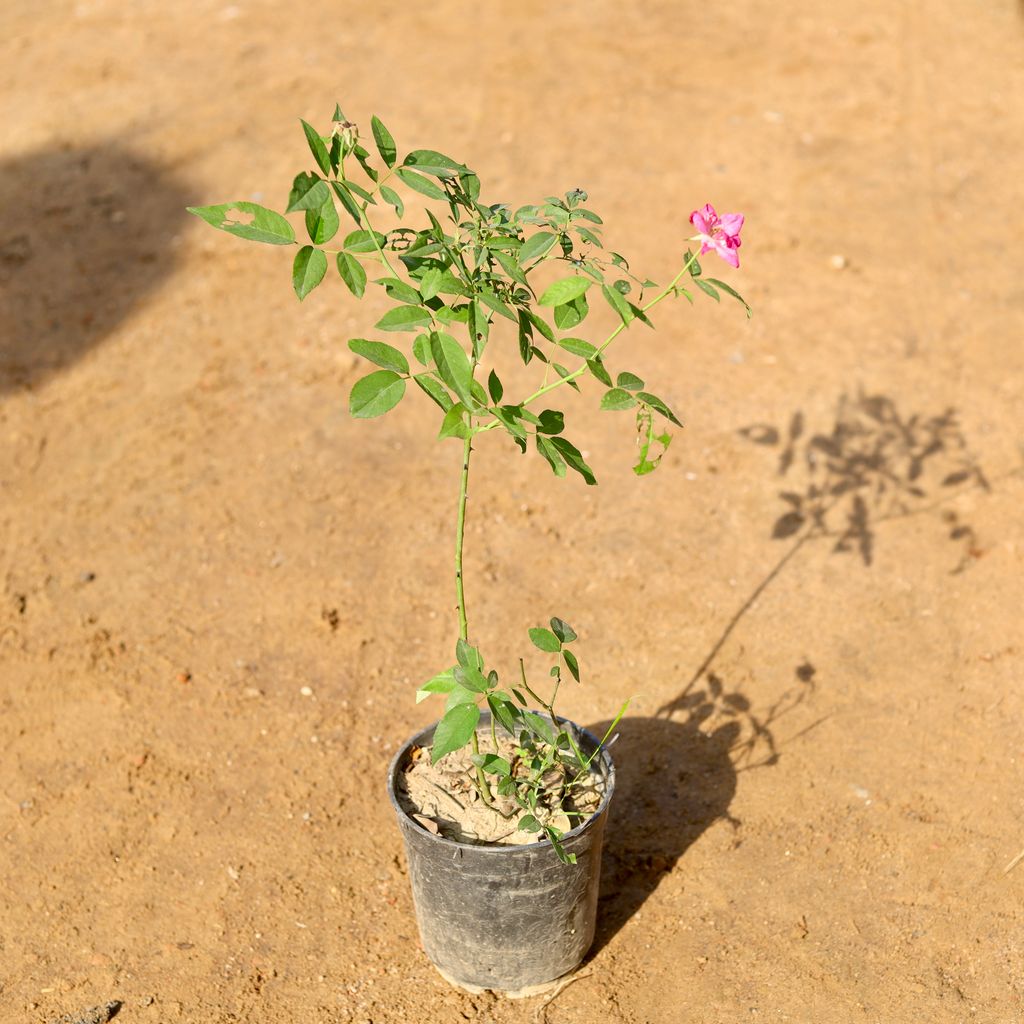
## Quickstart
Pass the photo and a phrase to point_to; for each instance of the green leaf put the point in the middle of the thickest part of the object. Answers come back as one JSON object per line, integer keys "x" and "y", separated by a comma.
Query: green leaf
{"x": 347, "y": 200}
{"x": 507, "y": 415}
{"x": 322, "y": 224}
{"x": 443, "y": 682}
{"x": 389, "y": 195}
{"x": 578, "y": 347}
{"x": 551, "y": 421}
{"x": 492, "y": 764}
{"x": 574, "y": 459}
{"x": 588, "y": 215}
{"x": 535, "y": 246}
{"x": 317, "y": 147}
{"x": 309, "y": 192}
{"x": 454, "y": 423}
{"x": 563, "y": 291}
{"x": 565, "y": 374}
{"x": 572, "y": 313}
{"x": 363, "y": 241}
{"x": 504, "y": 711}
{"x": 404, "y": 318}
{"x": 385, "y": 143}
{"x": 375, "y": 394}
{"x": 494, "y": 387}
{"x": 508, "y": 263}
{"x": 563, "y": 630}
{"x": 453, "y": 366}
{"x": 361, "y": 192}
{"x": 363, "y": 155}
{"x": 308, "y": 270}
{"x": 574, "y": 665}
{"x": 707, "y": 288}
{"x": 264, "y": 226}
{"x": 729, "y": 290}
{"x": 597, "y": 368}
{"x": 430, "y": 282}
{"x": 434, "y": 390}
{"x": 470, "y": 679}
{"x": 618, "y": 303}
{"x": 420, "y": 184}
{"x": 454, "y": 731}
{"x": 545, "y": 640}
{"x": 550, "y": 452}
{"x": 421, "y": 349}
{"x": 525, "y": 337}
{"x": 460, "y": 695}
{"x": 617, "y": 399}
{"x": 352, "y": 273}
{"x": 540, "y": 324}
{"x": 658, "y": 406}
{"x": 470, "y": 185}
{"x": 539, "y": 726}
{"x": 380, "y": 353}
{"x": 399, "y": 290}
{"x": 528, "y": 823}
{"x": 467, "y": 655}
{"x": 429, "y": 161}
{"x": 629, "y": 381}
{"x": 490, "y": 299}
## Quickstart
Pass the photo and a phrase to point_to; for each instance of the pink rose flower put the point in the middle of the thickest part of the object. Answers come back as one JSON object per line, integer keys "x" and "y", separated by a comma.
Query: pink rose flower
{"x": 720, "y": 234}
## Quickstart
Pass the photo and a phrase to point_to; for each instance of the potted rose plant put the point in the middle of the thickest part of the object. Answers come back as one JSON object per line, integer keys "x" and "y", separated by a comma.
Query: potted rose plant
{"x": 501, "y": 802}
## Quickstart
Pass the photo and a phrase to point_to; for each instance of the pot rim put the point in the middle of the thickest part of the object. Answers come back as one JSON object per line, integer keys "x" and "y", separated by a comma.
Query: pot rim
{"x": 497, "y": 848}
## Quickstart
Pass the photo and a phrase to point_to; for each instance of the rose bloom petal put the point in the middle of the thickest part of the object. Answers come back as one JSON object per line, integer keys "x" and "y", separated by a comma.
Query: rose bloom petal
{"x": 732, "y": 223}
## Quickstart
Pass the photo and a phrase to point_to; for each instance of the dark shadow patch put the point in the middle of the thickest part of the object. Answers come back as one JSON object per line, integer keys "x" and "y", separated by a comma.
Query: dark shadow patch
{"x": 673, "y": 780}
{"x": 85, "y": 238}
{"x": 874, "y": 463}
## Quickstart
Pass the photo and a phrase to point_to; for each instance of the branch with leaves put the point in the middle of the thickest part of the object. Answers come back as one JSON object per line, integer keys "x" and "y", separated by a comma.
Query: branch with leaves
{"x": 479, "y": 271}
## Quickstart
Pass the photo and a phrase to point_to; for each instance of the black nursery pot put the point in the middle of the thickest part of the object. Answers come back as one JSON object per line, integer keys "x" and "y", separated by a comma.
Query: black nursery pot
{"x": 504, "y": 917}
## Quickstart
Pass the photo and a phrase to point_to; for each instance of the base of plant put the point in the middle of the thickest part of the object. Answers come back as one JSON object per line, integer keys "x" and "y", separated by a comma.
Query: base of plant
{"x": 443, "y": 799}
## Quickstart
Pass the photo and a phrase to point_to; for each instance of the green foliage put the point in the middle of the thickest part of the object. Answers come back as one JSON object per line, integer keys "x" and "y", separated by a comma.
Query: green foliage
{"x": 263, "y": 225}
{"x": 477, "y": 287}
{"x": 376, "y": 394}
{"x": 454, "y": 730}
{"x": 308, "y": 270}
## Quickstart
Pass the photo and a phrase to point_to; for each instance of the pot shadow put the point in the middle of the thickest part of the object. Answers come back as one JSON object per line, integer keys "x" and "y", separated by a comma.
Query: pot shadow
{"x": 673, "y": 781}
{"x": 85, "y": 238}
{"x": 675, "y": 776}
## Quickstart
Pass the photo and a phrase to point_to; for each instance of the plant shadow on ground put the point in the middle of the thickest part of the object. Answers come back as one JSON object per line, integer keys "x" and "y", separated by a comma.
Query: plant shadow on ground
{"x": 677, "y": 772}
{"x": 85, "y": 237}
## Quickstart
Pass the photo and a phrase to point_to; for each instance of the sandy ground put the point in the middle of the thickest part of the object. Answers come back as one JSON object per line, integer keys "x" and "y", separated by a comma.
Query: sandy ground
{"x": 822, "y": 779}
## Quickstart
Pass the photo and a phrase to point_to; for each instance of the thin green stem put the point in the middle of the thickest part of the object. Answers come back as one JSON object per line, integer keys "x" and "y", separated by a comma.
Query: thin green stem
{"x": 460, "y": 533}
{"x": 460, "y": 588}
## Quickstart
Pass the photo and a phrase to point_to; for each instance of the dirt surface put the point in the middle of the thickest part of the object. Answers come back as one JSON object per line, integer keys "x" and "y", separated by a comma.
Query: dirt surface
{"x": 443, "y": 798}
{"x": 218, "y": 592}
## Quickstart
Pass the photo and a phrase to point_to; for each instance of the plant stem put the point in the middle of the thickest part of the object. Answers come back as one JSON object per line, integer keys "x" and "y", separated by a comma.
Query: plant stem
{"x": 460, "y": 591}
{"x": 460, "y": 532}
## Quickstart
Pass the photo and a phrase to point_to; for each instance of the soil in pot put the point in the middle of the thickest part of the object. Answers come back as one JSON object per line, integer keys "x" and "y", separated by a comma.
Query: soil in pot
{"x": 444, "y": 800}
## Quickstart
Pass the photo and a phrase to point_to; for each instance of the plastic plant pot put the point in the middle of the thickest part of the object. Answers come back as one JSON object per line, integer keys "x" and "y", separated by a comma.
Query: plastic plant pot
{"x": 506, "y": 918}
